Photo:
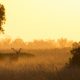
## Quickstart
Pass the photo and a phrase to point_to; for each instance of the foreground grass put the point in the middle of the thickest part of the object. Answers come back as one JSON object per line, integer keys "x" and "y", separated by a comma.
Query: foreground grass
{"x": 47, "y": 66}
{"x": 26, "y": 74}
{"x": 39, "y": 72}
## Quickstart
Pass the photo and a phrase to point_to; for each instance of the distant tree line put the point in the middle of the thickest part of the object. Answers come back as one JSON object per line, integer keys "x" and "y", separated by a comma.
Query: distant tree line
{"x": 36, "y": 44}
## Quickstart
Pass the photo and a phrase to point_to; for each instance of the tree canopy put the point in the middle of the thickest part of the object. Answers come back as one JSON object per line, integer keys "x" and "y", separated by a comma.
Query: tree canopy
{"x": 2, "y": 17}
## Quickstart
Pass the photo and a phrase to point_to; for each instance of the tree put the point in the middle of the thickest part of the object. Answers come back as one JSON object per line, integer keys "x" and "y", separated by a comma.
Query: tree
{"x": 75, "y": 51}
{"x": 2, "y": 17}
{"x": 62, "y": 43}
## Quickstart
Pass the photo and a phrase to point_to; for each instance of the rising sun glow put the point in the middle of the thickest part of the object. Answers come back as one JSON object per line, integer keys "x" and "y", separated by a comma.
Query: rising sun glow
{"x": 42, "y": 19}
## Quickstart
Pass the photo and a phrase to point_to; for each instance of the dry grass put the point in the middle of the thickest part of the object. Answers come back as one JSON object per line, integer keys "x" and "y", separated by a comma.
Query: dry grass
{"x": 44, "y": 65}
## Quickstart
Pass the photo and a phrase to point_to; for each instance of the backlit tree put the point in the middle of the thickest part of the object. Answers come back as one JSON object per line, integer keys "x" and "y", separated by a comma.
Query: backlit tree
{"x": 2, "y": 17}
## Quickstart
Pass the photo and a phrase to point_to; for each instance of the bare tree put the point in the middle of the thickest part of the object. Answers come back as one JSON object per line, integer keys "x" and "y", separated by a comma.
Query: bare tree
{"x": 16, "y": 51}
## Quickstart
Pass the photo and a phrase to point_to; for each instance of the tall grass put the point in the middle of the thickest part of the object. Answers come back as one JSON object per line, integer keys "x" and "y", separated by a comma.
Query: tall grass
{"x": 47, "y": 65}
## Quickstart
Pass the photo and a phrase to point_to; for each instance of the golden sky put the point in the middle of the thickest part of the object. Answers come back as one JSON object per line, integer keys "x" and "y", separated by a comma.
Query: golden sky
{"x": 42, "y": 19}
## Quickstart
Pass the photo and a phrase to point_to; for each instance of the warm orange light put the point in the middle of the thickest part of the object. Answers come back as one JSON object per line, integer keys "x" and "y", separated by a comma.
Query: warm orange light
{"x": 42, "y": 19}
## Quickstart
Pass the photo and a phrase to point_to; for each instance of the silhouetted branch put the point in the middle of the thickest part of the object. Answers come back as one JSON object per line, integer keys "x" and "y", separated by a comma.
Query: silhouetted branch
{"x": 2, "y": 17}
{"x": 17, "y": 51}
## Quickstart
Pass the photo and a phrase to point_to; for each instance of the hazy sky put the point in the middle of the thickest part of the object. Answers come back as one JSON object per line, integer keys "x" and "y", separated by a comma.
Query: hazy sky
{"x": 42, "y": 19}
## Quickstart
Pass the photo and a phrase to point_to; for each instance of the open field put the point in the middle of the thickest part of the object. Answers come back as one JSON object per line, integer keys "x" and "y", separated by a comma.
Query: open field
{"x": 44, "y": 65}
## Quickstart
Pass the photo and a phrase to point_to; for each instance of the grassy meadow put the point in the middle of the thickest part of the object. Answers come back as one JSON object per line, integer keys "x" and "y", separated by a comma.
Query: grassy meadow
{"x": 37, "y": 65}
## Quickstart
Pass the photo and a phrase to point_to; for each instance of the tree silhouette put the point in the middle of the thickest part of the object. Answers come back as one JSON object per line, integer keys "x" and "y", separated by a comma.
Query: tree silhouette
{"x": 75, "y": 51}
{"x": 2, "y": 17}
{"x": 17, "y": 51}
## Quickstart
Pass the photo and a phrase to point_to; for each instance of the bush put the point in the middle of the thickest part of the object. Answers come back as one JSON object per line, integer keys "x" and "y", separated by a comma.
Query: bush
{"x": 75, "y": 51}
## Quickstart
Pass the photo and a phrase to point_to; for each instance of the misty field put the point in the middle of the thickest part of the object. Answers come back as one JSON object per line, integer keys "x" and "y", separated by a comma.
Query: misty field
{"x": 37, "y": 65}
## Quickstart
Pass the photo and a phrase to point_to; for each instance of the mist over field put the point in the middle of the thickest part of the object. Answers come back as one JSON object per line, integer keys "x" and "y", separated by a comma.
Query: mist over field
{"x": 39, "y": 40}
{"x": 36, "y": 64}
{"x": 35, "y": 60}
{"x": 8, "y": 43}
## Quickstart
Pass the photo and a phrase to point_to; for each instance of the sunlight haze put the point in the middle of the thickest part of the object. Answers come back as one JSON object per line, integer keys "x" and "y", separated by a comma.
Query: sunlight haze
{"x": 42, "y": 19}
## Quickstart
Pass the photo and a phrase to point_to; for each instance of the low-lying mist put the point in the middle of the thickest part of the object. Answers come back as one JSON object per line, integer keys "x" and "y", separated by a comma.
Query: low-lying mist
{"x": 8, "y": 43}
{"x": 31, "y": 61}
